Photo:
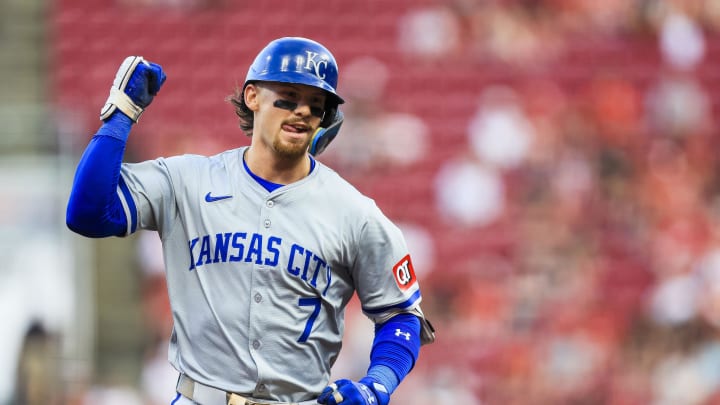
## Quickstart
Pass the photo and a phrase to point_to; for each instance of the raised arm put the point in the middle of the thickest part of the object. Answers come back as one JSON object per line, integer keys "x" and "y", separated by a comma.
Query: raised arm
{"x": 95, "y": 209}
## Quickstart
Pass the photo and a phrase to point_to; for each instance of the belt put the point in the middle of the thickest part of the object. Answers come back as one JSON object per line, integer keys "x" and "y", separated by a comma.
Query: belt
{"x": 207, "y": 395}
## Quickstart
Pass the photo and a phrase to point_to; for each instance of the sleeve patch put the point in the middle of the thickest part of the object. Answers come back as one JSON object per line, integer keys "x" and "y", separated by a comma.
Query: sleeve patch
{"x": 404, "y": 273}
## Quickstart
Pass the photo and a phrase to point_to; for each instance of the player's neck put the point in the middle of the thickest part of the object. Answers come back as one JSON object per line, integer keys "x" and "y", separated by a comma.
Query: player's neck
{"x": 276, "y": 169}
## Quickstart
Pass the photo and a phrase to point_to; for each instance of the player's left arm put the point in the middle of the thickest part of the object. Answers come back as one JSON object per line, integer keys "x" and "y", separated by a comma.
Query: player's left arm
{"x": 390, "y": 295}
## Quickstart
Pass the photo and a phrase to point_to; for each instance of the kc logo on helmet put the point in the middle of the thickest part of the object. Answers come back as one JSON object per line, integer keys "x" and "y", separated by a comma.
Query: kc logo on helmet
{"x": 312, "y": 58}
{"x": 404, "y": 273}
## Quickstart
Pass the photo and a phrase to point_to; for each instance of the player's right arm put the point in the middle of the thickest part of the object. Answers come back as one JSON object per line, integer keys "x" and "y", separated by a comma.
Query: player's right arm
{"x": 95, "y": 208}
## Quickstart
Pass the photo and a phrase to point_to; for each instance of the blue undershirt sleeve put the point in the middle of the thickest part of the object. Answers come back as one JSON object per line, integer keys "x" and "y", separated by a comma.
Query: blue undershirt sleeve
{"x": 94, "y": 208}
{"x": 395, "y": 349}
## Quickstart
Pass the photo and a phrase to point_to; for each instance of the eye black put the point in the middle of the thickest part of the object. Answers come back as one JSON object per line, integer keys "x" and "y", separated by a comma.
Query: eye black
{"x": 318, "y": 112}
{"x": 285, "y": 104}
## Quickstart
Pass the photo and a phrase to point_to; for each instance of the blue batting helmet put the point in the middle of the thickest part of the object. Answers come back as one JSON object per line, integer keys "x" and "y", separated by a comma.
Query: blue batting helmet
{"x": 296, "y": 60}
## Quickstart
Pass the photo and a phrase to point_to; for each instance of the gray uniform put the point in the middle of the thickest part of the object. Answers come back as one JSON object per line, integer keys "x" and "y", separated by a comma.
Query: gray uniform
{"x": 258, "y": 280}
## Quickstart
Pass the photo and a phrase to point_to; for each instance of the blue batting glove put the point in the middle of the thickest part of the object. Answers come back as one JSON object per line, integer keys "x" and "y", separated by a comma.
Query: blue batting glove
{"x": 346, "y": 392}
{"x": 136, "y": 83}
{"x": 145, "y": 83}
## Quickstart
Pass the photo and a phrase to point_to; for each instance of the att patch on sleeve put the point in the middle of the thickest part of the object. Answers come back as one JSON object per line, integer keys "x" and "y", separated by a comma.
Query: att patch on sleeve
{"x": 404, "y": 273}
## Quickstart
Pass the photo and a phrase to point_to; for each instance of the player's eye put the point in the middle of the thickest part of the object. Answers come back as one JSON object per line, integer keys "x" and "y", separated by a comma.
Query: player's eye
{"x": 289, "y": 94}
{"x": 318, "y": 112}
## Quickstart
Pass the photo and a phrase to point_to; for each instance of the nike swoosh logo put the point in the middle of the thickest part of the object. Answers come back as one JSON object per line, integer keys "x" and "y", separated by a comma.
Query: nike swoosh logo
{"x": 210, "y": 198}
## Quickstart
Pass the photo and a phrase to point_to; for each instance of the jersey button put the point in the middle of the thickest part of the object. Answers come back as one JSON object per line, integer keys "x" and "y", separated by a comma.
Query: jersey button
{"x": 258, "y": 297}
{"x": 261, "y": 387}
{"x": 270, "y": 203}
{"x": 256, "y": 344}
{"x": 267, "y": 223}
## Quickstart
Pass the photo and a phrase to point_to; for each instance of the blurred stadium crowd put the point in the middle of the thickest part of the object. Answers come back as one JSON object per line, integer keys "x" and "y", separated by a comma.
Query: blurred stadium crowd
{"x": 554, "y": 164}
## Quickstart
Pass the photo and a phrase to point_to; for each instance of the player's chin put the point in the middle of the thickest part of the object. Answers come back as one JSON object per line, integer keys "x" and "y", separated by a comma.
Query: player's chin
{"x": 293, "y": 147}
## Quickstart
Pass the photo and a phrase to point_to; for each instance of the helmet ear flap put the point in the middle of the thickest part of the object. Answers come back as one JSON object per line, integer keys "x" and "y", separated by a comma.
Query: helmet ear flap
{"x": 330, "y": 127}
{"x": 331, "y": 112}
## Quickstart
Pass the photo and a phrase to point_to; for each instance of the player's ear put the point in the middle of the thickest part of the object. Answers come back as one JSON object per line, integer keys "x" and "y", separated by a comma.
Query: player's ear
{"x": 250, "y": 95}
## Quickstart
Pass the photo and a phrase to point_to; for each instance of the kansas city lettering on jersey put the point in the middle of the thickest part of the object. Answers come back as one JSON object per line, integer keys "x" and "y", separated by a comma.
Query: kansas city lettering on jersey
{"x": 255, "y": 248}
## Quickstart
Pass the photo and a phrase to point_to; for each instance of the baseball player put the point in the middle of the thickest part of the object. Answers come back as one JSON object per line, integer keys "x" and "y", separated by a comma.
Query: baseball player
{"x": 263, "y": 245}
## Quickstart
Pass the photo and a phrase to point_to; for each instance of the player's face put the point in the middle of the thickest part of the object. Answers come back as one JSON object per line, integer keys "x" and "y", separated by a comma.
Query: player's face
{"x": 286, "y": 115}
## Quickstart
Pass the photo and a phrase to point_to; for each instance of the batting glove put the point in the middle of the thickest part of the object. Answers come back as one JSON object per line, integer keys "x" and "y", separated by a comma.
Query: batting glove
{"x": 136, "y": 83}
{"x": 346, "y": 392}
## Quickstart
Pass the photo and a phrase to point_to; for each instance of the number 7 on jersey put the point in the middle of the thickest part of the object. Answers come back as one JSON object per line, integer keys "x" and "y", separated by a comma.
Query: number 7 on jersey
{"x": 309, "y": 302}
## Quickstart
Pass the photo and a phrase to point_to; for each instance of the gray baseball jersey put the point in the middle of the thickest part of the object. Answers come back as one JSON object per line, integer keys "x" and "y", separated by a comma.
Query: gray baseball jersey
{"x": 258, "y": 280}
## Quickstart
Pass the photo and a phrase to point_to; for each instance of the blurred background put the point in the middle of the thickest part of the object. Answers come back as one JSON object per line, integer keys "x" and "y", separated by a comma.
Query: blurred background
{"x": 553, "y": 163}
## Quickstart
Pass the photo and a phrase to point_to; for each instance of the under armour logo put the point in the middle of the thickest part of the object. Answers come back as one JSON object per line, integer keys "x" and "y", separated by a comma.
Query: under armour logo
{"x": 399, "y": 333}
{"x": 368, "y": 393}
{"x": 316, "y": 63}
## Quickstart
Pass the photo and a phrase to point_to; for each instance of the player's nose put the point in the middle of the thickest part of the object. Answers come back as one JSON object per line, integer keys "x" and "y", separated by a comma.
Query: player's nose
{"x": 302, "y": 109}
